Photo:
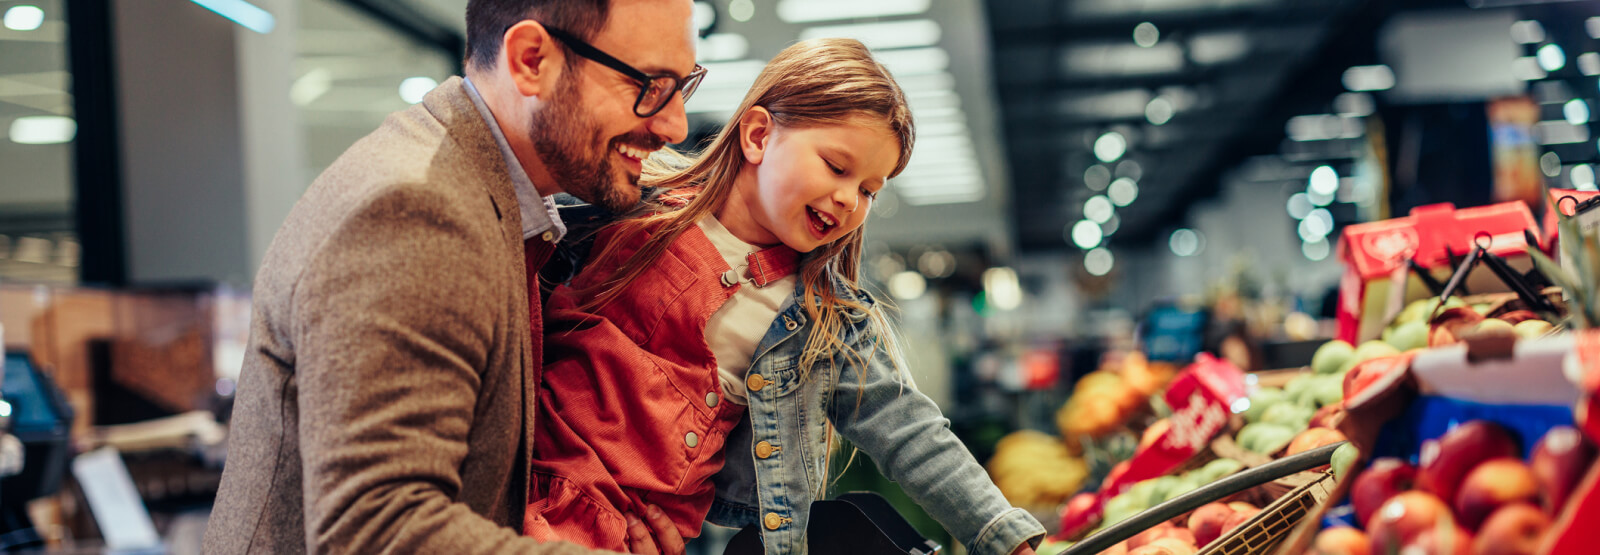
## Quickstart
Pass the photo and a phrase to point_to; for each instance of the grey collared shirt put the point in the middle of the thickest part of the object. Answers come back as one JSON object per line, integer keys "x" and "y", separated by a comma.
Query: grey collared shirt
{"x": 539, "y": 214}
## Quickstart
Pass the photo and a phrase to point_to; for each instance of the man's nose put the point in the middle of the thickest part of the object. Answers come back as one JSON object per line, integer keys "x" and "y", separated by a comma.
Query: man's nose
{"x": 672, "y": 122}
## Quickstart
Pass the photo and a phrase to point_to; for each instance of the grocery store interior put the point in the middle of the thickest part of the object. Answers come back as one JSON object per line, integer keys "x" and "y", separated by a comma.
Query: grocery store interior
{"x": 1144, "y": 251}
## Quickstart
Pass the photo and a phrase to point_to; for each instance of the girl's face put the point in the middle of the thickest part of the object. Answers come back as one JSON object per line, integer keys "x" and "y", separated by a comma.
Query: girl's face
{"x": 806, "y": 187}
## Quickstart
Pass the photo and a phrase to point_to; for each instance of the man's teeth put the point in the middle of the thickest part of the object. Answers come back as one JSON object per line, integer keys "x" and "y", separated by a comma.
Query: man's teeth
{"x": 631, "y": 152}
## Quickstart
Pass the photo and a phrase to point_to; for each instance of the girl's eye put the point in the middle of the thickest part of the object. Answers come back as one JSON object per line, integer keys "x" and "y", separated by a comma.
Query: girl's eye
{"x": 835, "y": 169}
{"x": 870, "y": 194}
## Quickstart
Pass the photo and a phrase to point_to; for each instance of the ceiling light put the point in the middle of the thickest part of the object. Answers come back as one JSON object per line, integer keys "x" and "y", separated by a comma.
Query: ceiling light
{"x": 1576, "y": 111}
{"x": 1098, "y": 209}
{"x": 1559, "y": 133}
{"x": 718, "y": 47}
{"x": 1158, "y": 111}
{"x": 1550, "y": 164}
{"x": 1589, "y": 63}
{"x": 414, "y": 88}
{"x": 244, "y": 13}
{"x": 915, "y": 61}
{"x": 1218, "y": 47}
{"x": 705, "y": 15}
{"x": 1315, "y": 251}
{"x": 1111, "y": 226}
{"x": 24, "y": 18}
{"x": 1593, "y": 26}
{"x": 1354, "y": 104}
{"x": 1582, "y": 177}
{"x": 1121, "y": 59}
{"x": 1551, "y": 57}
{"x": 1097, "y": 177}
{"x": 1527, "y": 68}
{"x": 1146, "y": 34}
{"x": 1322, "y": 127}
{"x": 804, "y": 11}
{"x": 1098, "y": 262}
{"x": 907, "y": 285}
{"x": 1001, "y": 288}
{"x": 1310, "y": 230}
{"x": 1086, "y": 234}
{"x": 1184, "y": 242}
{"x": 1299, "y": 206}
{"x": 936, "y": 263}
{"x": 1527, "y": 31}
{"x": 889, "y": 34}
{"x": 1130, "y": 169}
{"x": 1123, "y": 191}
{"x": 1324, "y": 181}
{"x": 1110, "y": 146}
{"x": 1368, "y": 78}
{"x": 741, "y": 10}
{"x": 43, "y": 130}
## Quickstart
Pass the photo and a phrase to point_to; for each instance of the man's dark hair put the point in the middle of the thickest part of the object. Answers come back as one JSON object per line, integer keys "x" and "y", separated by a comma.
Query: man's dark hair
{"x": 488, "y": 20}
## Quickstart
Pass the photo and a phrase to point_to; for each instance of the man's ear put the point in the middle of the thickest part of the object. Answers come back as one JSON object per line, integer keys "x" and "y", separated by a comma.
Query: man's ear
{"x": 755, "y": 133}
{"x": 533, "y": 58}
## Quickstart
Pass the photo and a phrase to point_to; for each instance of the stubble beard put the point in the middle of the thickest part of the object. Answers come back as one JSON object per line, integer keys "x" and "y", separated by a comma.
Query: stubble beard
{"x": 559, "y": 132}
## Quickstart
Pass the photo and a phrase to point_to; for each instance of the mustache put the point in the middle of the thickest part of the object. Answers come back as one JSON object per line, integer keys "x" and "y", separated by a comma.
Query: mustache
{"x": 641, "y": 140}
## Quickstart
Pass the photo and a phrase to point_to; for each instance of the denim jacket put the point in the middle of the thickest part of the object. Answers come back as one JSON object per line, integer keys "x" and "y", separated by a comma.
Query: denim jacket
{"x": 783, "y": 440}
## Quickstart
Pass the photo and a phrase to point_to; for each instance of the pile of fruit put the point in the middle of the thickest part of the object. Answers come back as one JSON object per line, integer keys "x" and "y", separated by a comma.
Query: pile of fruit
{"x": 1305, "y": 412}
{"x": 1183, "y": 536}
{"x": 1469, "y": 493}
{"x": 1034, "y": 469}
{"x": 1104, "y": 400}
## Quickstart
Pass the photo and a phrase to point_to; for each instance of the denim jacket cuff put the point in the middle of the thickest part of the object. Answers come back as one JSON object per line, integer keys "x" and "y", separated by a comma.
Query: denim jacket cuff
{"x": 1005, "y": 532}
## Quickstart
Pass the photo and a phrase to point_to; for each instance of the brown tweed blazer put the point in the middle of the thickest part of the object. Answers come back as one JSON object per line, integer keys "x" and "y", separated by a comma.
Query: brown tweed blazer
{"x": 388, "y": 391}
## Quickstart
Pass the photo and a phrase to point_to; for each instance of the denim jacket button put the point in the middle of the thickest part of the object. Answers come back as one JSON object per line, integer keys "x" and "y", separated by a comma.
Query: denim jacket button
{"x": 711, "y": 400}
{"x": 772, "y": 521}
{"x": 763, "y": 450}
{"x": 789, "y": 323}
{"x": 755, "y": 382}
{"x": 691, "y": 439}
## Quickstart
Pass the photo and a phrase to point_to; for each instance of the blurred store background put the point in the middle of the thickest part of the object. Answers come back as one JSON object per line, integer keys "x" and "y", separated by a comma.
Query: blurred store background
{"x": 1092, "y": 178}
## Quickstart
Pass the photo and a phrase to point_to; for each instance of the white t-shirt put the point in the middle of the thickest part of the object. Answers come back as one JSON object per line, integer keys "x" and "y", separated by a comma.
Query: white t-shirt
{"x": 735, "y": 329}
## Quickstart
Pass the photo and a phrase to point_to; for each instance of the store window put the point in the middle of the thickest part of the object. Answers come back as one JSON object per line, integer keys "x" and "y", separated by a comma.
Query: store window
{"x": 353, "y": 70}
{"x": 37, "y": 241}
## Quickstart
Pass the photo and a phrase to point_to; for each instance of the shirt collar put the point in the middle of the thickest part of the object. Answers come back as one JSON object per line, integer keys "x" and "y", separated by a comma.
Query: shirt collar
{"x": 539, "y": 213}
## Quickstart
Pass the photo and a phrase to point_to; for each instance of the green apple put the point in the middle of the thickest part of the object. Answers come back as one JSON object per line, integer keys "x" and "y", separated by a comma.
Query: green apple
{"x": 1263, "y": 398}
{"x": 1343, "y": 457}
{"x": 1494, "y": 326}
{"x": 1328, "y": 390}
{"x": 1529, "y": 329}
{"x": 1331, "y": 356}
{"x": 1217, "y": 469}
{"x": 1265, "y": 437}
{"x": 1481, "y": 309}
{"x": 1408, "y": 336}
{"x": 1293, "y": 415}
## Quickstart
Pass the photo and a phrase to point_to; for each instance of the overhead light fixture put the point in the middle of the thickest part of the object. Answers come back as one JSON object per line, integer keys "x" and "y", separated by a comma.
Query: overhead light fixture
{"x": 1111, "y": 226}
{"x": 24, "y": 18}
{"x": 1560, "y": 133}
{"x": 1098, "y": 209}
{"x": 43, "y": 130}
{"x": 244, "y": 13}
{"x": 720, "y": 47}
{"x": 1551, "y": 57}
{"x": 1218, "y": 47}
{"x": 1589, "y": 63}
{"x": 907, "y": 285}
{"x": 1299, "y": 206}
{"x": 1354, "y": 104}
{"x": 1130, "y": 169}
{"x": 705, "y": 16}
{"x": 1527, "y": 68}
{"x": 1086, "y": 234}
{"x": 806, "y": 11}
{"x": 1527, "y": 31}
{"x": 1097, "y": 177}
{"x": 884, "y": 35}
{"x": 741, "y": 10}
{"x": 1550, "y": 164}
{"x": 1158, "y": 111}
{"x": 1582, "y": 177}
{"x": 1098, "y": 262}
{"x": 1123, "y": 191}
{"x": 1184, "y": 242}
{"x": 1121, "y": 59}
{"x": 915, "y": 61}
{"x": 1146, "y": 34}
{"x": 1576, "y": 111}
{"x": 1110, "y": 146}
{"x": 1002, "y": 288}
{"x": 1593, "y": 26}
{"x": 1316, "y": 251}
{"x": 414, "y": 88}
{"x": 1323, "y": 182}
{"x": 1368, "y": 78}
{"x": 1322, "y": 127}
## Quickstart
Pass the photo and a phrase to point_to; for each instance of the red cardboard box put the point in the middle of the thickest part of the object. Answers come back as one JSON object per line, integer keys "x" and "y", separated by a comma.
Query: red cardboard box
{"x": 1374, "y": 253}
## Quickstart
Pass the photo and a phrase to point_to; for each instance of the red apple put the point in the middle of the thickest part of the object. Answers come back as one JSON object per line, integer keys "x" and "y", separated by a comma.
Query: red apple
{"x": 1445, "y": 539}
{"x": 1445, "y": 463}
{"x": 1405, "y": 516}
{"x": 1235, "y": 520}
{"x": 1149, "y": 535}
{"x": 1493, "y": 484}
{"x": 1121, "y": 548}
{"x": 1514, "y": 529}
{"x": 1313, "y": 438}
{"x": 1560, "y": 460}
{"x": 1342, "y": 540}
{"x": 1165, "y": 546}
{"x": 1383, "y": 479}
{"x": 1329, "y": 416}
{"x": 1206, "y": 522}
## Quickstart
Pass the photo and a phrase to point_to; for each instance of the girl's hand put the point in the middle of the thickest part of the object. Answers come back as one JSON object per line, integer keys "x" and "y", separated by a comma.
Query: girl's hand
{"x": 1023, "y": 549}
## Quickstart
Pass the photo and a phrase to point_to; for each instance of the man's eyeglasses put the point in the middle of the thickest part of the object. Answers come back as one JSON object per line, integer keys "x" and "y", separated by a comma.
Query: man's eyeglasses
{"x": 655, "y": 91}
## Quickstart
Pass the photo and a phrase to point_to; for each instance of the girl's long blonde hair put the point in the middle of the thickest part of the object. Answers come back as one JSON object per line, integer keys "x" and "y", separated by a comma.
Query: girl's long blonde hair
{"x": 811, "y": 83}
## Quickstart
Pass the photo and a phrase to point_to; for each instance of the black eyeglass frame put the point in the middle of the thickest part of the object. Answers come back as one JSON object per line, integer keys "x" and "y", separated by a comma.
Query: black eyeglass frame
{"x": 686, "y": 84}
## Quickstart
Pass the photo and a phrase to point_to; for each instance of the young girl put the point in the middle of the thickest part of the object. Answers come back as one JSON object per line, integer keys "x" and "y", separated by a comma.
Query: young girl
{"x": 725, "y": 323}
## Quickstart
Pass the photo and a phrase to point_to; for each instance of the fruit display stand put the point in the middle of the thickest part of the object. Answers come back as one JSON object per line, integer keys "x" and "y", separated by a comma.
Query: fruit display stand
{"x": 1467, "y": 448}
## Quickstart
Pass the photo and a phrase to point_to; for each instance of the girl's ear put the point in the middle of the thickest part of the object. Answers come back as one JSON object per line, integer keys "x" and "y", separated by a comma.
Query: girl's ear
{"x": 755, "y": 131}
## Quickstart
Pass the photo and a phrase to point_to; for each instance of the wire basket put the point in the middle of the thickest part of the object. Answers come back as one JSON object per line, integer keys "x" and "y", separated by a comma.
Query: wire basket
{"x": 1262, "y": 533}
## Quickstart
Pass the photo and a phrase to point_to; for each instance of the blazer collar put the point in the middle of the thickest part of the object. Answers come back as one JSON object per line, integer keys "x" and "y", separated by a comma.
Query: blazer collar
{"x": 450, "y": 104}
